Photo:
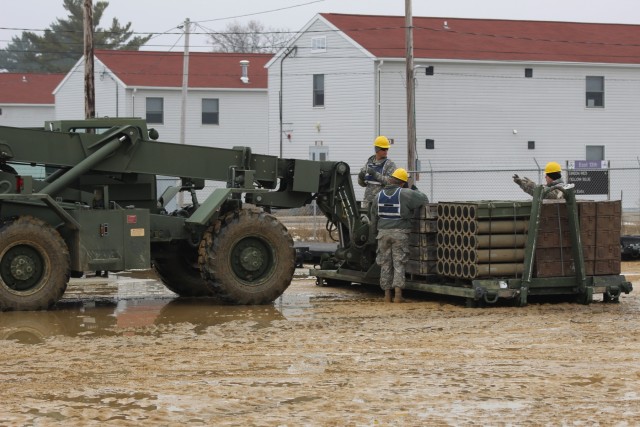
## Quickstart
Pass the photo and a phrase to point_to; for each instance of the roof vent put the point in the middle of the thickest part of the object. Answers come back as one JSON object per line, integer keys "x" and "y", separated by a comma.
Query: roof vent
{"x": 24, "y": 79}
{"x": 245, "y": 71}
{"x": 445, "y": 25}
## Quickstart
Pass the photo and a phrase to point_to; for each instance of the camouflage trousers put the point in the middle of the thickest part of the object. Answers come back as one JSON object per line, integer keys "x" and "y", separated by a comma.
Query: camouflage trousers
{"x": 392, "y": 256}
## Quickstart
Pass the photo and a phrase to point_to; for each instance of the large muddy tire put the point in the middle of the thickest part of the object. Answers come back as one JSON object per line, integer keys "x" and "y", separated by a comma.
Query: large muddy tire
{"x": 34, "y": 265}
{"x": 247, "y": 257}
{"x": 177, "y": 268}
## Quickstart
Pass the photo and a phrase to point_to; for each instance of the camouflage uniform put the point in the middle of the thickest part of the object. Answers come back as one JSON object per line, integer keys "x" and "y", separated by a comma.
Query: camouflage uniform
{"x": 393, "y": 235}
{"x": 392, "y": 256}
{"x": 528, "y": 186}
{"x": 372, "y": 189}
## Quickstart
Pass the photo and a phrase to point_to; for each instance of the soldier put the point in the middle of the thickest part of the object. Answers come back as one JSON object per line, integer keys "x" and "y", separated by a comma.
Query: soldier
{"x": 376, "y": 172}
{"x": 394, "y": 210}
{"x": 553, "y": 177}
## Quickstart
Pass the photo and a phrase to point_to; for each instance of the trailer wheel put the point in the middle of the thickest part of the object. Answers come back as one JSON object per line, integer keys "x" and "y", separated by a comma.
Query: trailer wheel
{"x": 178, "y": 270}
{"x": 247, "y": 257}
{"x": 34, "y": 265}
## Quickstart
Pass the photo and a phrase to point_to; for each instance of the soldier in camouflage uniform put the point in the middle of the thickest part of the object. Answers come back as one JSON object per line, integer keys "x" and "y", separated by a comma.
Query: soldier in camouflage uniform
{"x": 393, "y": 211}
{"x": 376, "y": 172}
{"x": 553, "y": 177}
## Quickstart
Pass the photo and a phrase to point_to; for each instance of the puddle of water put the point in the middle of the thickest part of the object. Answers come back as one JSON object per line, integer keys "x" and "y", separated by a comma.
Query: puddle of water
{"x": 132, "y": 304}
{"x": 96, "y": 319}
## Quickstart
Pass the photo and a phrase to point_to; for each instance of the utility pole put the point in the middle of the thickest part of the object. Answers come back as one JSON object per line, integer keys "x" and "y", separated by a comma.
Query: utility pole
{"x": 185, "y": 86}
{"x": 185, "y": 80}
{"x": 411, "y": 114}
{"x": 89, "y": 82}
{"x": 288, "y": 51}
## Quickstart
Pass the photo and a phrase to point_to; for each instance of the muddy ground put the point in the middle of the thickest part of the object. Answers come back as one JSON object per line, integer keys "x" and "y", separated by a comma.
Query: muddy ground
{"x": 125, "y": 353}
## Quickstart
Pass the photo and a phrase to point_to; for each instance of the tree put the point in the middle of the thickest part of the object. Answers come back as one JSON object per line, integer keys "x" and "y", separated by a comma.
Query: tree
{"x": 61, "y": 45}
{"x": 250, "y": 38}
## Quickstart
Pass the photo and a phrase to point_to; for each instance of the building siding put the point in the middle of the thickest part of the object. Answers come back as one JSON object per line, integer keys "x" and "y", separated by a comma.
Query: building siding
{"x": 26, "y": 115}
{"x": 346, "y": 123}
{"x": 472, "y": 109}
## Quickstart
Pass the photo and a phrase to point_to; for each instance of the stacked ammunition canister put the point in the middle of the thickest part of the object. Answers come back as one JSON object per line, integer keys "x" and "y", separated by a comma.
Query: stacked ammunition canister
{"x": 469, "y": 240}
{"x": 600, "y": 224}
{"x": 480, "y": 239}
{"x": 422, "y": 241}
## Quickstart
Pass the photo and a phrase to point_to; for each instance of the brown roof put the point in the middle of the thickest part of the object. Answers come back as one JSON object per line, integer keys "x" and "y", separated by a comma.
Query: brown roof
{"x": 164, "y": 69}
{"x": 28, "y": 88}
{"x": 493, "y": 39}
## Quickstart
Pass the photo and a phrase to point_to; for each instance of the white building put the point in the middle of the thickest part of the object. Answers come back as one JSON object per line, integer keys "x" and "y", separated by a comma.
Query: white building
{"x": 224, "y": 107}
{"x": 26, "y": 99}
{"x": 489, "y": 95}
{"x": 226, "y": 102}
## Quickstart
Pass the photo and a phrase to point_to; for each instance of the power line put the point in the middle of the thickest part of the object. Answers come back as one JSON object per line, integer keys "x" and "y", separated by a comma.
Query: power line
{"x": 259, "y": 13}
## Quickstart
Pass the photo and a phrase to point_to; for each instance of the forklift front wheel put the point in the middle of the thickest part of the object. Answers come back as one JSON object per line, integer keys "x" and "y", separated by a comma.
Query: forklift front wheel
{"x": 247, "y": 257}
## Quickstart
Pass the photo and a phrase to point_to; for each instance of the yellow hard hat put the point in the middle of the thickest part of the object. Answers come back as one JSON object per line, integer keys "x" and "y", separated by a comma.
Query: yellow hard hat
{"x": 401, "y": 174}
{"x": 382, "y": 142}
{"x": 552, "y": 167}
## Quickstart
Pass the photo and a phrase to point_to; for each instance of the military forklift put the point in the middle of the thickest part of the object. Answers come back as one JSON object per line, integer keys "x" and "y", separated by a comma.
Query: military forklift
{"x": 91, "y": 204}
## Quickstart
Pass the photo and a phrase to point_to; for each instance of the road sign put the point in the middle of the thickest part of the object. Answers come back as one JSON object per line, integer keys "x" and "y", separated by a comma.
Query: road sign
{"x": 590, "y": 177}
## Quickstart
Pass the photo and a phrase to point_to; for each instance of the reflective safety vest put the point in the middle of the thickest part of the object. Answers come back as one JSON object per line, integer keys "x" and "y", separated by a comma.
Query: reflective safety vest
{"x": 370, "y": 179}
{"x": 389, "y": 206}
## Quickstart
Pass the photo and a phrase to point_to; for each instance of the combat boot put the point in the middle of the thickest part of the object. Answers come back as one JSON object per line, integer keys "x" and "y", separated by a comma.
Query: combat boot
{"x": 398, "y": 297}
{"x": 387, "y": 295}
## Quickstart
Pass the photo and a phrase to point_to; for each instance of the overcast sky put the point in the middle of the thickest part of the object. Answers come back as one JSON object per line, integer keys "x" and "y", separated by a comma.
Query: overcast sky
{"x": 160, "y": 16}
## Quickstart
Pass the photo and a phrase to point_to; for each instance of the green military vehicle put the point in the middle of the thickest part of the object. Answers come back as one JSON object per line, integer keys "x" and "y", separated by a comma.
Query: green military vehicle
{"x": 97, "y": 209}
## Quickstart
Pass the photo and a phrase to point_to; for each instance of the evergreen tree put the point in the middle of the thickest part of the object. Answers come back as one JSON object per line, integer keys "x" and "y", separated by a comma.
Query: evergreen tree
{"x": 62, "y": 45}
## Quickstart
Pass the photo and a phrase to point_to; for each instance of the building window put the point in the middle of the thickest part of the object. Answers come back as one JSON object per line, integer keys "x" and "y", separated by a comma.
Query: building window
{"x": 528, "y": 72}
{"x": 595, "y": 91}
{"x": 210, "y": 114}
{"x": 155, "y": 110}
{"x": 318, "y": 90}
{"x": 318, "y": 153}
{"x": 595, "y": 152}
{"x": 318, "y": 44}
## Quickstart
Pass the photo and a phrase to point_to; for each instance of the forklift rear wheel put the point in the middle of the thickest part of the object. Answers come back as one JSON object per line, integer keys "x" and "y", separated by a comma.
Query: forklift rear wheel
{"x": 247, "y": 257}
{"x": 34, "y": 265}
{"x": 178, "y": 270}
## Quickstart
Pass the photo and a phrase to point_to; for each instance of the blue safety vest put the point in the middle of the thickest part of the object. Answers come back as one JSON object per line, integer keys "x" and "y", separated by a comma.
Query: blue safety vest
{"x": 370, "y": 179}
{"x": 389, "y": 206}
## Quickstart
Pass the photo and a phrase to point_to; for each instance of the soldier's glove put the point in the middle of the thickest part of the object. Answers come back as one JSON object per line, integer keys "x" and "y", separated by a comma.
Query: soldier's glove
{"x": 363, "y": 173}
{"x": 517, "y": 179}
{"x": 377, "y": 175}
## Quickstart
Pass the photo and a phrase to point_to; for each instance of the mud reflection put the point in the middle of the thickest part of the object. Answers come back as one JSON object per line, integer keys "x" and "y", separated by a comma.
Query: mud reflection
{"x": 141, "y": 305}
{"x": 128, "y": 317}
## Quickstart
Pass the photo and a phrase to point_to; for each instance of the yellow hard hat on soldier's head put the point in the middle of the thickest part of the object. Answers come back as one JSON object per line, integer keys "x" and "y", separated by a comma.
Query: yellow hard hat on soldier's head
{"x": 552, "y": 167}
{"x": 400, "y": 174}
{"x": 382, "y": 142}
